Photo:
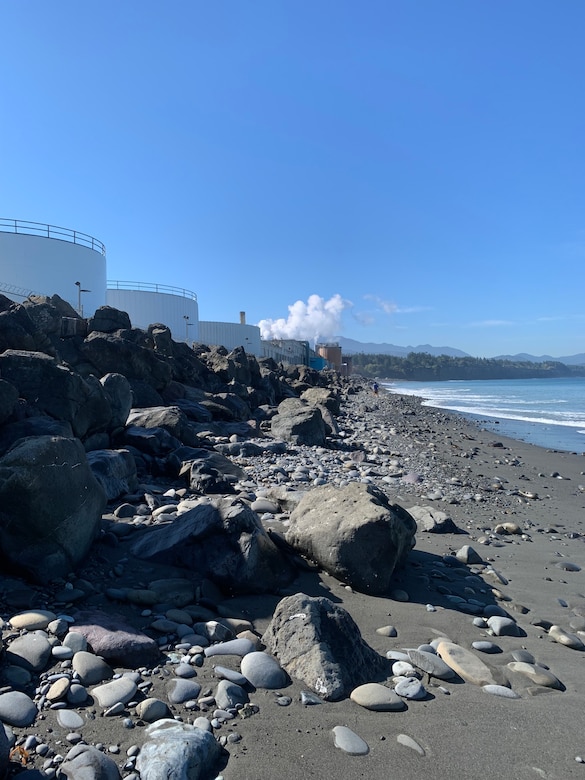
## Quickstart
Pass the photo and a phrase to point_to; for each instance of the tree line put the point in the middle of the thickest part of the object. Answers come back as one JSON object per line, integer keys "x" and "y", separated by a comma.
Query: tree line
{"x": 423, "y": 367}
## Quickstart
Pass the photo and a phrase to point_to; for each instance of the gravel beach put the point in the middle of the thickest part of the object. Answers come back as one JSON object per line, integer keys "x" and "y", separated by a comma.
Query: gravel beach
{"x": 499, "y": 573}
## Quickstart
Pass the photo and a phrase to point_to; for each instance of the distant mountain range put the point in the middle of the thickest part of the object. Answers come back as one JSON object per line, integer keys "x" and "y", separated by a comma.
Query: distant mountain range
{"x": 351, "y": 346}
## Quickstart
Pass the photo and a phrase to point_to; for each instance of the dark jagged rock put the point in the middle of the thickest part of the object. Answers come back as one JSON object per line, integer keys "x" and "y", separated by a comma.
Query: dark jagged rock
{"x": 115, "y": 470}
{"x": 318, "y": 642}
{"x": 109, "y": 352}
{"x": 208, "y": 471}
{"x": 171, "y": 418}
{"x": 222, "y": 540}
{"x": 8, "y": 400}
{"x": 49, "y": 386}
{"x": 50, "y": 507}
{"x": 107, "y": 319}
{"x": 298, "y": 422}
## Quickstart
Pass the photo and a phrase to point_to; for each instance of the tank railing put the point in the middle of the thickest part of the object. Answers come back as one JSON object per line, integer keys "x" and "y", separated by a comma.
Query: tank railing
{"x": 51, "y": 231}
{"x": 13, "y": 289}
{"x": 148, "y": 287}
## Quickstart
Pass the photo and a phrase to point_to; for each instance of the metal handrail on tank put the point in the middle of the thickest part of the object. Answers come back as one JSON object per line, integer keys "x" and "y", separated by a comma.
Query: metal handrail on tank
{"x": 148, "y": 287}
{"x": 51, "y": 231}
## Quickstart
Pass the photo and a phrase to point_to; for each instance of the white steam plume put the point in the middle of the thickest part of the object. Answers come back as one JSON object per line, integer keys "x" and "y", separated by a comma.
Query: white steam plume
{"x": 315, "y": 320}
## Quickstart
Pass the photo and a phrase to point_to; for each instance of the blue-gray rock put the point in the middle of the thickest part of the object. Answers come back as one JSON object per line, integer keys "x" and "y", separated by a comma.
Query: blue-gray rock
{"x": 230, "y": 674}
{"x": 486, "y": 647}
{"x": 410, "y": 688}
{"x": 239, "y": 647}
{"x": 500, "y": 690}
{"x": 504, "y": 626}
{"x": 263, "y": 671}
{"x": 431, "y": 664}
{"x": 121, "y": 689}
{"x": 177, "y": 750}
{"x": 69, "y": 719}
{"x": 17, "y": 709}
{"x": 84, "y": 762}
{"x": 31, "y": 651}
{"x": 228, "y": 694}
{"x": 91, "y": 668}
{"x": 181, "y": 690}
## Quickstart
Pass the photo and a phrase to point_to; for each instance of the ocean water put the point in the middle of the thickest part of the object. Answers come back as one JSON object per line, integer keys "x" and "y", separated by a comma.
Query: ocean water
{"x": 547, "y": 412}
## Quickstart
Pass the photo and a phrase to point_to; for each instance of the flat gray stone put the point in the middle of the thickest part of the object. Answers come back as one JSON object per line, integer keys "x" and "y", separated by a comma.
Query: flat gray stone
{"x": 500, "y": 690}
{"x": 536, "y": 674}
{"x": 431, "y": 664}
{"x": 181, "y": 690}
{"x": 69, "y": 719}
{"x": 122, "y": 689}
{"x": 228, "y": 694}
{"x": 225, "y": 673}
{"x": 347, "y": 740}
{"x": 486, "y": 647}
{"x": 377, "y": 697}
{"x": 565, "y": 638}
{"x": 91, "y": 668}
{"x": 240, "y": 647}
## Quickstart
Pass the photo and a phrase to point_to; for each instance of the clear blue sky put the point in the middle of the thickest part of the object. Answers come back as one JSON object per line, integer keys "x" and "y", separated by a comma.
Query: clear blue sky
{"x": 410, "y": 171}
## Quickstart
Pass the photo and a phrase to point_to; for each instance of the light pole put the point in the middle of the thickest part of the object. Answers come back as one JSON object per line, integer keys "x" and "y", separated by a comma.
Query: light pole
{"x": 186, "y": 318}
{"x": 79, "y": 291}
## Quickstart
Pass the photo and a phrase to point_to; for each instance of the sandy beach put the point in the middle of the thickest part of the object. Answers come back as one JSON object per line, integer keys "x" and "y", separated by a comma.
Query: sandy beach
{"x": 420, "y": 457}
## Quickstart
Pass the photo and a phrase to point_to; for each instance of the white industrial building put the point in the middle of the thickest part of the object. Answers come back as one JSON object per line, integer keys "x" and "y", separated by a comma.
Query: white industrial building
{"x": 47, "y": 260}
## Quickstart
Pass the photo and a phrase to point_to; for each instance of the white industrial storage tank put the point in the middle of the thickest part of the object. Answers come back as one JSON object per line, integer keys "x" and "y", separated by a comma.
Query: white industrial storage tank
{"x": 48, "y": 260}
{"x": 149, "y": 303}
{"x": 231, "y": 335}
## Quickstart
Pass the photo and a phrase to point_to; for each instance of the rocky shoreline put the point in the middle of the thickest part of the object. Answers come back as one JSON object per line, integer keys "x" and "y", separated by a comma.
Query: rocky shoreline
{"x": 154, "y": 650}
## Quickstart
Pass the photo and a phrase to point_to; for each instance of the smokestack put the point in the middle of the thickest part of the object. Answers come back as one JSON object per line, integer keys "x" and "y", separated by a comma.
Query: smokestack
{"x": 242, "y": 318}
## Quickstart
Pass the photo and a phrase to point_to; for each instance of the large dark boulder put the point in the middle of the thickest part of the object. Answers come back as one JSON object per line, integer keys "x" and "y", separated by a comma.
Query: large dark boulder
{"x": 171, "y": 418}
{"x": 49, "y": 386}
{"x": 50, "y": 507}
{"x": 223, "y": 541}
{"x": 113, "y": 353}
{"x": 107, "y": 319}
{"x": 119, "y": 394}
{"x": 39, "y": 425}
{"x": 299, "y": 423}
{"x": 354, "y": 533}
